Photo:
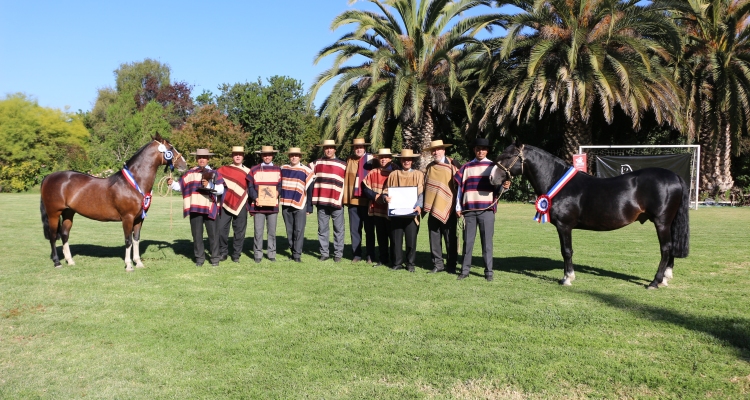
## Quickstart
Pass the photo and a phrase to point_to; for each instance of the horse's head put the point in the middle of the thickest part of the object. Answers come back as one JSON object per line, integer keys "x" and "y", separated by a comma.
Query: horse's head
{"x": 170, "y": 155}
{"x": 508, "y": 163}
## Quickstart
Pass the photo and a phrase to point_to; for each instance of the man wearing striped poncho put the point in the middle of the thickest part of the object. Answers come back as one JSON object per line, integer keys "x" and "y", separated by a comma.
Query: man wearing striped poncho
{"x": 374, "y": 186}
{"x": 200, "y": 198}
{"x": 260, "y": 183}
{"x": 234, "y": 209}
{"x": 439, "y": 202}
{"x": 328, "y": 195}
{"x": 296, "y": 204}
{"x": 475, "y": 200}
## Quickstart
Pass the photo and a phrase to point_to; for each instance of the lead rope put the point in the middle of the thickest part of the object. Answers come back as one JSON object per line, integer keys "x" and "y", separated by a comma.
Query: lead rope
{"x": 165, "y": 191}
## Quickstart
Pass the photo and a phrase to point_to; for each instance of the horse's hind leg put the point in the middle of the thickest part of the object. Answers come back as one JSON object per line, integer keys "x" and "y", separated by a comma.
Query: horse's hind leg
{"x": 667, "y": 261}
{"x": 136, "y": 242}
{"x": 67, "y": 224}
{"x": 54, "y": 225}
{"x": 566, "y": 248}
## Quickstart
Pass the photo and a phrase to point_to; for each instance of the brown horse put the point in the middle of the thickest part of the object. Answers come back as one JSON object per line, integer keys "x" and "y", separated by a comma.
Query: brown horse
{"x": 66, "y": 193}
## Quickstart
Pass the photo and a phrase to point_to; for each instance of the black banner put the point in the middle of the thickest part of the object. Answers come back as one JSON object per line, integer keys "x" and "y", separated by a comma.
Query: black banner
{"x": 609, "y": 166}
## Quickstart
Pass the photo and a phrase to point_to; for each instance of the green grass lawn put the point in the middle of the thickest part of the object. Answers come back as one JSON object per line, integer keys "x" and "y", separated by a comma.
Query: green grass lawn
{"x": 328, "y": 330}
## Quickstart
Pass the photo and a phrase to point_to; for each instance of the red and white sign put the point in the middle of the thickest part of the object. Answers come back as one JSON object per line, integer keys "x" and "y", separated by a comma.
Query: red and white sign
{"x": 579, "y": 162}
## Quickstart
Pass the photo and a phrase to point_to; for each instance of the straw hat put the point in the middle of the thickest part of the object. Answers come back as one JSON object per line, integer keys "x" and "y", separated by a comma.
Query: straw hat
{"x": 266, "y": 149}
{"x": 238, "y": 149}
{"x": 359, "y": 142}
{"x": 295, "y": 150}
{"x": 436, "y": 144}
{"x": 383, "y": 153}
{"x": 327, "y": 142}
{"x": 202, "y": 152}
{"x": 407, "y": 153}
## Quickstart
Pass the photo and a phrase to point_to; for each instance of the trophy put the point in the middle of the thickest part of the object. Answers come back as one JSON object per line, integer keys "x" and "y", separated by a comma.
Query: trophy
{"x": 210, "y": 176}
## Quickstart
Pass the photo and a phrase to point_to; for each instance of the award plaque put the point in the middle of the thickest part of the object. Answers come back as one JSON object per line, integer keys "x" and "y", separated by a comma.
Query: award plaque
{"x": 268, "y": 196}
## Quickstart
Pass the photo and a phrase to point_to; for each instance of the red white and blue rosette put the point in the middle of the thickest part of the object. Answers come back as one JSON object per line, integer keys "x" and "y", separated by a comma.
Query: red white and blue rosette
{"x": 544, "y": 202}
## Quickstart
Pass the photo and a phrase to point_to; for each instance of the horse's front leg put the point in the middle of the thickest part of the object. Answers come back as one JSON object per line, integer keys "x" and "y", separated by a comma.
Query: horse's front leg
{"x": 136, "y": 242}
{"x": 127, "y": 227}
{"x": 667, "y": 261}
{"x": 566, "y": 248}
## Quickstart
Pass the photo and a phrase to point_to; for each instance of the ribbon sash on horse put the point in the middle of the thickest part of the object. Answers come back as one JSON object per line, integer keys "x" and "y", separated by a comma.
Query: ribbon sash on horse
{"x": 146, "y": 202}
{"x": 544, "y": 202}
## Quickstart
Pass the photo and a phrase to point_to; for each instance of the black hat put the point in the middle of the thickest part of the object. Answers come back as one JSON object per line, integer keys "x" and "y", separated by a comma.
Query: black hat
{"x": 483, "y": 142}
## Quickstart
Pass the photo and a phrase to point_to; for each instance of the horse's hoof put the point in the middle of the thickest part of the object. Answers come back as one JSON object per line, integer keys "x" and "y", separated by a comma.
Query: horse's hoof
{"x": 140, "y": 265}
{"x": 129, "y": 269}
{"x": 663, "y": 283}
{"x": 668, "y": 273}
{"x": 571, "y": 277}
{"x": 566, "y": 282}
{"x": 58, "y": 266}
{"x": 652, "y": 287}
{"x": 70, "y": 262}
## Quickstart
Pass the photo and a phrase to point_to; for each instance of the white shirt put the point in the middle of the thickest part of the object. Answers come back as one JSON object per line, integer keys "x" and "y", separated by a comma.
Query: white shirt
{"x": 176, "y": 185}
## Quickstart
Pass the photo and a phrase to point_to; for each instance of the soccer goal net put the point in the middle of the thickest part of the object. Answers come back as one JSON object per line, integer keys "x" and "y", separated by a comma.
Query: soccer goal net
{"x": 684, "y": 160}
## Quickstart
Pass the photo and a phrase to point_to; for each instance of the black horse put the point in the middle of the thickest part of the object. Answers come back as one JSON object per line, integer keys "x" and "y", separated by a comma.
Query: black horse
{"x": 604, "y": 204}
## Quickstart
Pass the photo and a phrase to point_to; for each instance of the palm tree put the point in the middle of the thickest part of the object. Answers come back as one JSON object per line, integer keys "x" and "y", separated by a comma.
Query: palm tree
{"x": 410, "y": 70}
{"x": 578, "y": 55}
{"x": 715, "y": 73}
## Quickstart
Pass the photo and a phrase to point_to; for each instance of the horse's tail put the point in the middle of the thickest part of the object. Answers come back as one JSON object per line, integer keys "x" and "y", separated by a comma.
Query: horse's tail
{"x": 45, "y": 218}
{"x": 681, "y": 225}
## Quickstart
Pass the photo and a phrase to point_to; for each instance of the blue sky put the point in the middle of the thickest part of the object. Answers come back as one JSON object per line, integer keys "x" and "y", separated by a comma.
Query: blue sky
{"x": 61, "y": 52}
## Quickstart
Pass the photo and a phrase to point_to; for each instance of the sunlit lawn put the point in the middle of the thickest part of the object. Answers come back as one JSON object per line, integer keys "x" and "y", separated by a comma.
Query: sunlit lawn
{"x": 327, "y": 330}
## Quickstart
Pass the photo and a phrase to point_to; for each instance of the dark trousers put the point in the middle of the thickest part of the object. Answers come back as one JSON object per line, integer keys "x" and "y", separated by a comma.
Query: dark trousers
{"x": 383, "y": 230}
{"x": 239, "y": 226}
{"x": 358, "y": 218}
{"x": 486, "y": 221}
{"x": 443, "y": 232}
{"x": 212, "y": 230}
{"x": 404, "y": 227}
{"x": 261, "y": 222}
{"x": 295, "y": 221}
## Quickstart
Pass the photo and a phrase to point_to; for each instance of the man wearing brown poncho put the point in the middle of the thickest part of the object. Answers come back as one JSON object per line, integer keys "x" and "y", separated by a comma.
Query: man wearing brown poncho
{"x": 406, "y": 225}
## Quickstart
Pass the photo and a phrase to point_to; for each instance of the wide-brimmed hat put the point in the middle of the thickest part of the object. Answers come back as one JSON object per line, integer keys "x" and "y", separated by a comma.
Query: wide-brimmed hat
{"x": 436, "y": 144}
{"x": 266, "y": 149}
{"x": 327, "y": 142}
{"x": 238, "y": 149}
{"x": 295, "y": 150}
{"x": 482, "y": 142}
{"x": 407, "y": 153}
{"x": 202, "y": 152}
{"x": 359, "y": 142}
{"x": 383, "y": 153}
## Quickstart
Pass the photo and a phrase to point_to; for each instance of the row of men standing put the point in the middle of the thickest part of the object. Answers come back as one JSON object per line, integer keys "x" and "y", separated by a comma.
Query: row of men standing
{"x": 446, "y": 191}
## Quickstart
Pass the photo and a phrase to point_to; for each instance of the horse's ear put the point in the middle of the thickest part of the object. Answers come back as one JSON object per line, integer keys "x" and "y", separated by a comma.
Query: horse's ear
{"x": 158, "y": 138}
{"x": 517, "y": 142}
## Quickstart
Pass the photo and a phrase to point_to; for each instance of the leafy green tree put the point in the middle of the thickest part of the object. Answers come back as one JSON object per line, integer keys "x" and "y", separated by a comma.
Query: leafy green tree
{"x": 275, "y": 114}
{"x": 35, "y": 139}
{"x": 580, "y": 55}
{"x": 715, "y": 72}
{"x": 143, "y": 103}
{"x": 209, "y": 128}
{"x": 411, "y": 54}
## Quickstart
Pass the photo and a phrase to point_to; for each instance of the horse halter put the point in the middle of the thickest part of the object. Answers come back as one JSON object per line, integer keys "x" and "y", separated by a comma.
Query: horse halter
{"x": 519, "y": 155}
{"x": 168, "y": 155}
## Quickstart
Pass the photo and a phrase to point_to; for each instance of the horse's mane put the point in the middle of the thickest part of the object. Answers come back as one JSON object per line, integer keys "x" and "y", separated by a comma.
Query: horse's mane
{"x": 129, "y": 163}
{"x": 557, "y": 160}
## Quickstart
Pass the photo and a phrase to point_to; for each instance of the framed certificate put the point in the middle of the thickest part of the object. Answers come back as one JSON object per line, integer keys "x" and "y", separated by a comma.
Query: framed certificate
{"x": 268, "y": 196}
{"x": 403, "y": 201}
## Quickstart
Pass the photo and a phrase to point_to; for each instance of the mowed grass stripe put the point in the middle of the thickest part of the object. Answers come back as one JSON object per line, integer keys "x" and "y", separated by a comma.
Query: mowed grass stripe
{"x": 328, "y": 330}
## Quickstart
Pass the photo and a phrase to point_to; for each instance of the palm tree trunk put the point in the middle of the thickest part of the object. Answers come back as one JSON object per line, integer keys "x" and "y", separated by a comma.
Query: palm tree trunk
{"x": 724, "y": 180}
{"x": 425, "y": 137}
{"x": 577, "y": 132}
{"x": 716, "y": 161}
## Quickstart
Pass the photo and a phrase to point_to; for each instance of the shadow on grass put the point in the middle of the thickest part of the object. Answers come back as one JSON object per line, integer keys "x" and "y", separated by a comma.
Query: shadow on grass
{"x": 733, "y": 331}
{"x": 94, "y": 250}
{"x": 530, "y": 266}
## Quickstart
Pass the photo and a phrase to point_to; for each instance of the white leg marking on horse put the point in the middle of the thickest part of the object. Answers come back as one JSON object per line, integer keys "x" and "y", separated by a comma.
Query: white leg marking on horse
{"x": 67, "y": 255}
{"x": 566, "y": 282}
{"x": 668, "y": 273}
{"x": 128, "y": 263}
{"x": 137, "y": 255}
{"x": 663, "y": 283}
